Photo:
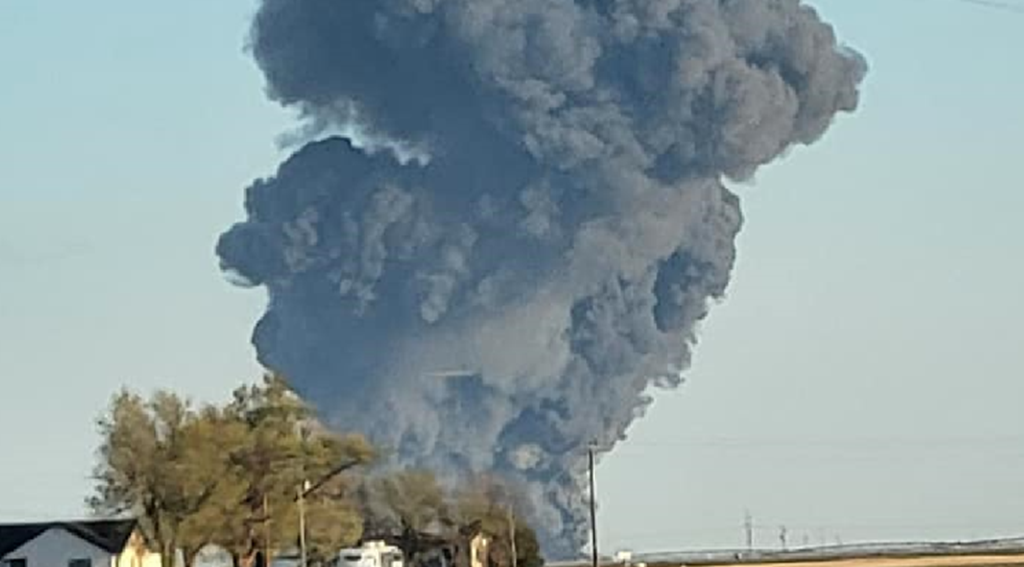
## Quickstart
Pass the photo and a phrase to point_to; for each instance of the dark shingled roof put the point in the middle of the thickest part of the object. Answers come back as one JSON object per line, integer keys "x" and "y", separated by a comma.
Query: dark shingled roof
{"x": 108, "y": 535}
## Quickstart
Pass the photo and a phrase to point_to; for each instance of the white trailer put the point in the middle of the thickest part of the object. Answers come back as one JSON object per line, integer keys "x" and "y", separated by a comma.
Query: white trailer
{"x": 371, "y": 554}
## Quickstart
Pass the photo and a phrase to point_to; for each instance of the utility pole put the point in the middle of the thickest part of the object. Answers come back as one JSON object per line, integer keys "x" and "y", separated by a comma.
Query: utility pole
{"x": 302, "y": 522}
{"x": 266, "y": 531}
{"x": 512, "y": 536}
{"x": 593, "y": 507}
{"x": 307, "y": 488}
{"x": 748, "y": 527}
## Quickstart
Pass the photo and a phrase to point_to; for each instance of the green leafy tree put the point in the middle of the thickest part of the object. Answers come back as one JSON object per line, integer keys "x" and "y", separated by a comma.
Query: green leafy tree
{"x": 158, "y": 462}
{"x": 269, "y": 415}
{"x": 285, "y": 447}
{"x": 216, "y": 521}
{"x": 228, "y": 476}
{"x": 333, "y": 519}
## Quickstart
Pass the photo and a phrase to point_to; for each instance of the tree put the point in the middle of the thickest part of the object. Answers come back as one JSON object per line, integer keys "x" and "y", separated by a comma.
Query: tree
{"x": 498, "y": 509}
{"x": 214, "y": 523}
{"x": 333, "y": 520}
{"x": 269, "y": 415}
{"x": 228, "y": 476}
{"x": 157, "y": 461}
{"x": 528, "y": 552}
{"x": 414, "y": 508}
{"x": 415, "y": 499}
{"x": 408, "y": 504}
{"x": 285, "y": 448}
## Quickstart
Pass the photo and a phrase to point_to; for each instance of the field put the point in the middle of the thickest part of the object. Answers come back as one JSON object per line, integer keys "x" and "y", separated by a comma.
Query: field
{"x": 956, "y": 560}
{"x": 988, "y": 553}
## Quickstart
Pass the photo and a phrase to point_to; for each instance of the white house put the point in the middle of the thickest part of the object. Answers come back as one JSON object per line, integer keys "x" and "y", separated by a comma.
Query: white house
{"x": 106, "y": 543}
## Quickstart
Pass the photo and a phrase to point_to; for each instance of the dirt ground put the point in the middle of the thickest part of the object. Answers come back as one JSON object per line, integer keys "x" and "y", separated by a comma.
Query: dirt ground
{"x": 993, "y": 560}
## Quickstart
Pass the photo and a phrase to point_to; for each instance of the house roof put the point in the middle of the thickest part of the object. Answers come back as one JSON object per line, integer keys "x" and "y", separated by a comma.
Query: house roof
{"x": 108, "y": 535}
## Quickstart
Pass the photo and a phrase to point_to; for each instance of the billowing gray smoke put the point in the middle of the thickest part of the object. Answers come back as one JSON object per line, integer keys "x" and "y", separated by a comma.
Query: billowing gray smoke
{"x": 520, "y": 242}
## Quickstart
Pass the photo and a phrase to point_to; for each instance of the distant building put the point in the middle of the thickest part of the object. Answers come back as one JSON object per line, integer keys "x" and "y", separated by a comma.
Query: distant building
{"x": 469, "y": 546}
{"x": 479, "y": 546}
{"x": 371, "y": 554}
{"x": 106, "y": 543}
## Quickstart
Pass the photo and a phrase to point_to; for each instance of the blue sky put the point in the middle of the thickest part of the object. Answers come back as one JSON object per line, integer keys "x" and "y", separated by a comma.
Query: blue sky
{"x": 861, "y": 381}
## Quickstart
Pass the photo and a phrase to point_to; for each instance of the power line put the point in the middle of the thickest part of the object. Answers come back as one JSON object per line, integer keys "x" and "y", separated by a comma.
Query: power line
{"x": 754, "y": 526}
{"x": 839, "y": 442}
{"x": 593, "y": 506}
{"x": 997, "y": 4}
{"x": 748, "y": 529}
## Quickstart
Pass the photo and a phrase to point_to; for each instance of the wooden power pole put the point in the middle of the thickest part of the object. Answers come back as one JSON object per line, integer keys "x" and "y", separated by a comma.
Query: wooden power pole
{"x": 512, "y": 537}
{"x": 593, "y": 508}
{"x": 748, "y": 526}
{"x": 266, "y": 531}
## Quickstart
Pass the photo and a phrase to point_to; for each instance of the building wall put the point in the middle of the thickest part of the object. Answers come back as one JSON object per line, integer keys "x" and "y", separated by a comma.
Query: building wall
{"x": 135, "y": 554}
{"x": 478, "y": 547}
{"x": 56, "y": 547}
{"x": 132, "y": 559}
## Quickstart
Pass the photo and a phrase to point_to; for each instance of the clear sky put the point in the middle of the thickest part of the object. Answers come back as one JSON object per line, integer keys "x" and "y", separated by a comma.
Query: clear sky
{"x": 863, "y": 380}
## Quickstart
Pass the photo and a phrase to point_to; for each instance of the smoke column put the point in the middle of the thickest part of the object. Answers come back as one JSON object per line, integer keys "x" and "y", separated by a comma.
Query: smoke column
{"x": 520, "y": 241}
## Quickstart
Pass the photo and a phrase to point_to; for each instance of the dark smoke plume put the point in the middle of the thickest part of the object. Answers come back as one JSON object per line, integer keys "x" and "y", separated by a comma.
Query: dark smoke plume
{"x": 523, "y": 237}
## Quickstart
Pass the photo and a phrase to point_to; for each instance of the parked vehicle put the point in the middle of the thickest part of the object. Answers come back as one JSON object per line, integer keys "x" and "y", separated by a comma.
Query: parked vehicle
{"x": 371, "y": 554}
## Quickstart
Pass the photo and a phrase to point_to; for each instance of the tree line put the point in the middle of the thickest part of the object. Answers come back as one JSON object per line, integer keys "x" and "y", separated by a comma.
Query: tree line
{"x": 230, "y": 476}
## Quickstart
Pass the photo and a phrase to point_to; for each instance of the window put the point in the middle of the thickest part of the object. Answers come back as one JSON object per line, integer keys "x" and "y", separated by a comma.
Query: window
{"x": 80, "y": 563}
{"x": 20, "y": 562}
